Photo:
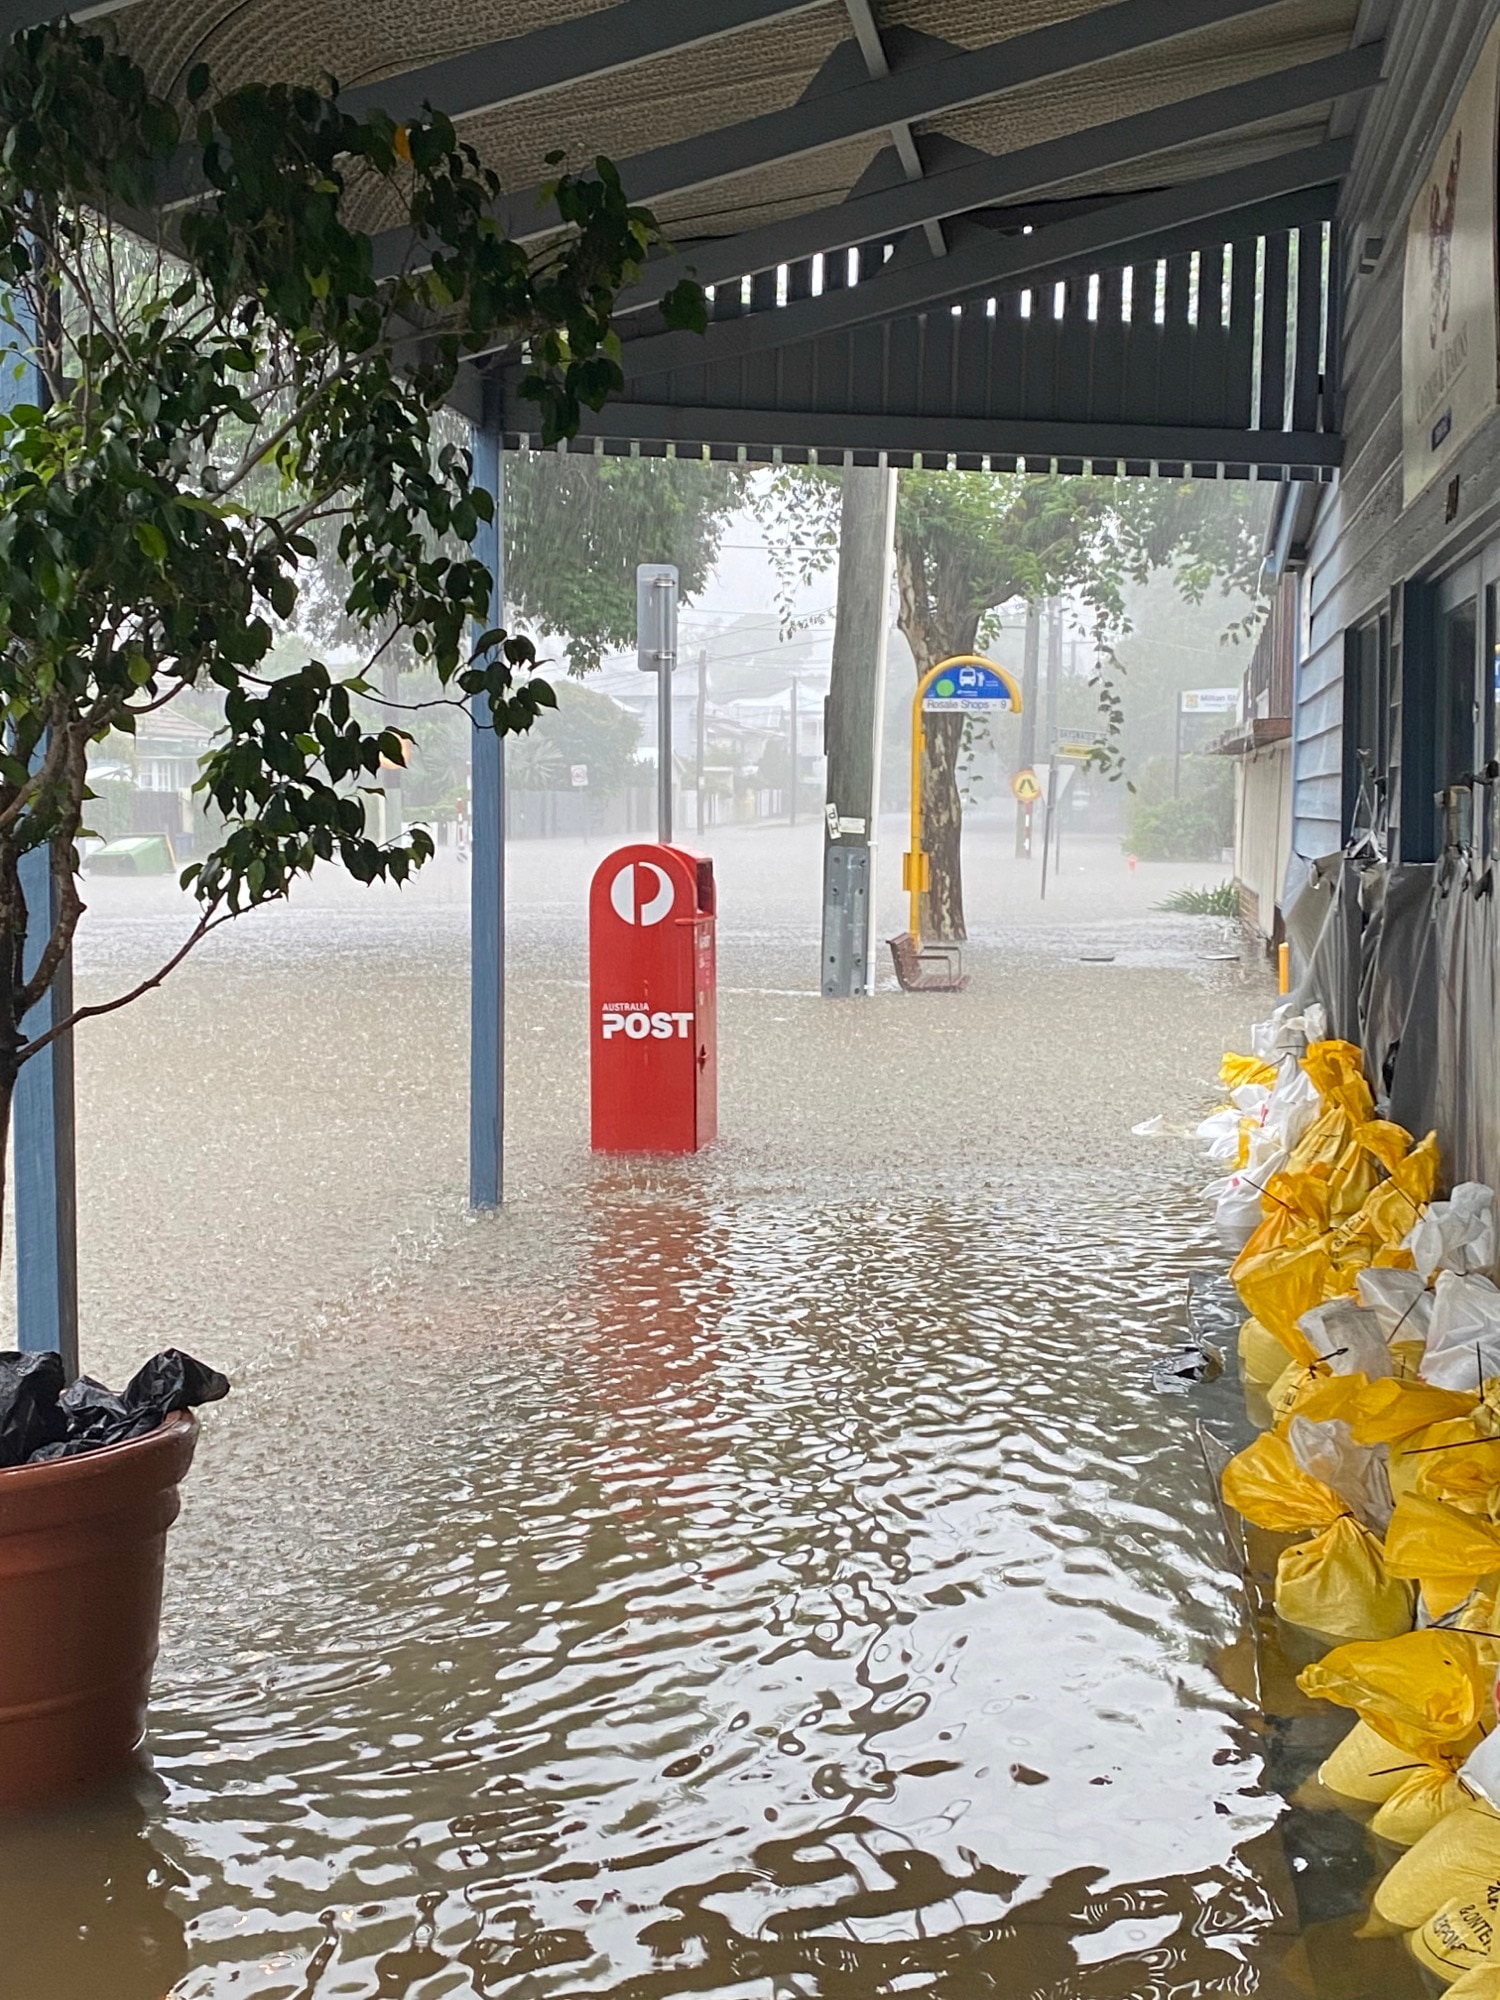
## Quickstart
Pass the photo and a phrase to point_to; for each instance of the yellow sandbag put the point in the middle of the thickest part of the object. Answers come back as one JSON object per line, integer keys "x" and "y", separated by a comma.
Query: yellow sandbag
{"x": 1322, "y": 1142}
{"x": 1460, "y": 1857}
{"x": 1463, "y": 1471}
{"x": 1384, "y": 1141}
{"x": 1441, "y": 1547}
{"x": 1267, "y": 1485}
{"x": 1417, "y": 1175}
{"x": 1300, "y": 1391}
{"x": 1338, "y": 1070}
{"x": 1458, "y": 1938}
{"x": 1367, "y": 1767}
{"x": 1390, "y": 1410}
{"x": 1418, "y": 1803}
{"x": 1235, "y": 1071}
{"x": 1406, "y": 1359}
{"x": 1279, "y": 1226}
{"x": 1426, "y": 1692}
{"x": 1279, "y": 1285}
{"x": 1410, "y": 1457}
{"x": 1353, "y": 1180}
{"x": 1262, "y": 1356}
{"x": 1483, "y": 1983}
{"x": 1338, "y": 1583}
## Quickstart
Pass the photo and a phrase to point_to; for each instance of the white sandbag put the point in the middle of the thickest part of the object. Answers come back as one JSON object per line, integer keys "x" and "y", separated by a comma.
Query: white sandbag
{"x": 1350, "y": 1339}
{"x": 1358, "y": 1473}
{"x": 1480, "y": 1771}
{"x": 1457, "y": 1234}
{"x": 1220, "y": 1135}
{"x": 1463, "y": 1339}
{"x": 1292, "y": 1107}
{"x": 1399, "y": 1300}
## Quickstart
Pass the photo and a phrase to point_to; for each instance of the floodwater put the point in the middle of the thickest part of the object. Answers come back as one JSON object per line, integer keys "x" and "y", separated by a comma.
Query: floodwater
{"x": 759, "y": 1576}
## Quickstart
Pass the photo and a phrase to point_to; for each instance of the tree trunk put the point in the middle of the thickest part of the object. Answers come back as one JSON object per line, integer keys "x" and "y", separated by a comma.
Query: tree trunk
{"x": 938, "y": 619}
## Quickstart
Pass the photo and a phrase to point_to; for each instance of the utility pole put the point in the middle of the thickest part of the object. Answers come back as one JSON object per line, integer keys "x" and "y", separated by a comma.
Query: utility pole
{"x": 702, "y": 724}
{"x": 791, "y": 818}
{"x": 1031, "y": 662}
{"x": 852, "y": 728}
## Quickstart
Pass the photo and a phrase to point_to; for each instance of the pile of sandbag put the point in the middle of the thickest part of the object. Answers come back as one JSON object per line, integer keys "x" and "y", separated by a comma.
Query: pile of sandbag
{"x": 1374, "y": 1338}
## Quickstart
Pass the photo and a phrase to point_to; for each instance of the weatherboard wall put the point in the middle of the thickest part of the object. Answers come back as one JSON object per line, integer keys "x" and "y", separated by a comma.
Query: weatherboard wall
{"x": 1365, "y": 545}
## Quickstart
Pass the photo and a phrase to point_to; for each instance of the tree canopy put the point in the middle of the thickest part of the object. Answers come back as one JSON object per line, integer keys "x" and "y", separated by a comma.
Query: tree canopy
{"x": 577, "y": 526}
{"x": 968, "y": 543}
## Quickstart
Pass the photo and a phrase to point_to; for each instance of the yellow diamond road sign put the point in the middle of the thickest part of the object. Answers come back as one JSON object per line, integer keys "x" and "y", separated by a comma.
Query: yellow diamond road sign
{"x": 1026, "y": 786}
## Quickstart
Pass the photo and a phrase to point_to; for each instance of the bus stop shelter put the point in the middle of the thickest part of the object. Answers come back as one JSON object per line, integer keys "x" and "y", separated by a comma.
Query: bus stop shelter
{"x": 1052, "y": 236}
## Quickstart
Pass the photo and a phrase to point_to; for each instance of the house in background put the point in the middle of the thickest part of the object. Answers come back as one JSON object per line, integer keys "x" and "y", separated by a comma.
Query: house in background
{"x": 1261, "y": 745}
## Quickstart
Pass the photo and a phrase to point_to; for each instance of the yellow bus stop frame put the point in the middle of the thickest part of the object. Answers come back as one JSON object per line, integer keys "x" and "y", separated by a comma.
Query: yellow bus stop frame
{"x": 916, "y": 865}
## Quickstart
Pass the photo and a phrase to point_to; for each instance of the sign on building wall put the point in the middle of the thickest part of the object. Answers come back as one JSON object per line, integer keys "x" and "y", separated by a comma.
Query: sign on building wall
{"x": 1448, "y": 335}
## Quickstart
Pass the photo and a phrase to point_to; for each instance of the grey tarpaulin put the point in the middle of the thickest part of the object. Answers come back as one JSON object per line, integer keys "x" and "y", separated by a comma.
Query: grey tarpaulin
{"x": 1406, "y": 960}
{"x": 1399, "y": 992}
{"x": 1323, "y": 924}
{"x": 1466, "y": 1108}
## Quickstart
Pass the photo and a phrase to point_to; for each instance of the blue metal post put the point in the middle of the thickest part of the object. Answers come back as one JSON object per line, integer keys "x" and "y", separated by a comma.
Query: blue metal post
{"x": 42, "y": 1146}
{"x": 487, "y": 881}
{"x": 46, "y": 1198}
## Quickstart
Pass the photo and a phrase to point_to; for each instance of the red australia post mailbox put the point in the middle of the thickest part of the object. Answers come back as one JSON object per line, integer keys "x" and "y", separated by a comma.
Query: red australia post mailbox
{"x": 653, "y": 998}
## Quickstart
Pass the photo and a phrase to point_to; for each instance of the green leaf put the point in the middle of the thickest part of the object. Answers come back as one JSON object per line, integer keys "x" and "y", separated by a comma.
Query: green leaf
{"x": 151, "y": 541}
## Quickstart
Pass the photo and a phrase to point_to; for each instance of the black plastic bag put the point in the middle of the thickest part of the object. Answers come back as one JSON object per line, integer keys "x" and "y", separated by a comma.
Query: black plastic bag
{"x": 173, "y": 1380}
{"x": 95, "y": 1417}
{"x": 41, "y": 1421}
{"x": 30, "y": 1415}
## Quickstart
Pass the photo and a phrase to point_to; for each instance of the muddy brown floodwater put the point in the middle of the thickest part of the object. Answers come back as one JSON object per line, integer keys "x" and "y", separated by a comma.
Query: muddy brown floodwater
{"x": 755, "y": 1576}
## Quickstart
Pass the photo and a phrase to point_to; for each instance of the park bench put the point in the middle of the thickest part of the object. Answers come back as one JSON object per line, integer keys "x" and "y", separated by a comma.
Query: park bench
{"x": 927, "y": 968}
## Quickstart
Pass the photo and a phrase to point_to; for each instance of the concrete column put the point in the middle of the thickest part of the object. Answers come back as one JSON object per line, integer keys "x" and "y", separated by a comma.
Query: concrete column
{"x": 852, "y": 735}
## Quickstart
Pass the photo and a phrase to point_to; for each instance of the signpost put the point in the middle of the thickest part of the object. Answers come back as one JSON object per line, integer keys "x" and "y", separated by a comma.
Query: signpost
{"x": 656, "y": 653}
{"x": 967, "y": 684}
{"x": 1199, "y": 701}
{"x": 1026, "y": 786}
{"x": 1069, "y": 749}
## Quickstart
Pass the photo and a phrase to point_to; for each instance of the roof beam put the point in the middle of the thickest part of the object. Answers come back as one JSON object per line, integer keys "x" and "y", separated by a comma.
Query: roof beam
{"x": 1003, "y": 265}
{"x": 923, "y": 89}
{"x": 565, "y": 52}
{"x": 872, "y": 48}
{"x": 939, "y": 434}
{"x": 1010, "y": 176}
{"x": 16, "y": 15}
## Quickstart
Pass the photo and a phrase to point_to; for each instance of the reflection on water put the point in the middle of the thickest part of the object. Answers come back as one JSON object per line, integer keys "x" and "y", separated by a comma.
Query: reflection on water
{"x": 816, "y": 1603}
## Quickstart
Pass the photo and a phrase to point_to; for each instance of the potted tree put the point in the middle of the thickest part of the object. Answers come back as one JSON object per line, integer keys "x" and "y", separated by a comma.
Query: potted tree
{"x": 187, "y": 423}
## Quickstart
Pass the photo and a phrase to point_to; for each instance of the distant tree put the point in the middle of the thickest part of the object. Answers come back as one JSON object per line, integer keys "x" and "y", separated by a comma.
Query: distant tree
{"x": 576, "y": 527}
{"x": 585, "y": 728}
{"x": 968, "y": 543}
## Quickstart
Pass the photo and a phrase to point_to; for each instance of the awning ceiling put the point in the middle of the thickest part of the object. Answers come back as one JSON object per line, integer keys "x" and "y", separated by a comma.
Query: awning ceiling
{"x": 928, "y": 135}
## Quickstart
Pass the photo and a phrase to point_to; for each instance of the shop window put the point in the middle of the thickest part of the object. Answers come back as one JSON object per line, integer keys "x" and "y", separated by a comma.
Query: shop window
{"x": 1367, "y": 727}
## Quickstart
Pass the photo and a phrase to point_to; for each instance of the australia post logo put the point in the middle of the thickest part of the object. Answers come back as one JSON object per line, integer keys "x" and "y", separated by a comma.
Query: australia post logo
{"x": 637, "y": 1023}
{"x": 642, "y": 893}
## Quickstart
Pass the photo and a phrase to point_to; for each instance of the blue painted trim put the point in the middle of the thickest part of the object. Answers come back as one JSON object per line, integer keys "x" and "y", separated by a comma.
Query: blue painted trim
{"x": 43, "y": 1177}
{"x": 487, "y": 884}
{"x": 46, "y": 1200}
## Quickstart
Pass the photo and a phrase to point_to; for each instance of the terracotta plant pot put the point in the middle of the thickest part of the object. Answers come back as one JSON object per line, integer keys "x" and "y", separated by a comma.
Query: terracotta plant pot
{"x": 82, "y": 1553}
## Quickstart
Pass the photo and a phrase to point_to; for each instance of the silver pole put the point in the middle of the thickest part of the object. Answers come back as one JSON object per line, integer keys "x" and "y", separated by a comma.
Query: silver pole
{"x": 665, "y": 664}
{"x": 656, "y": 653}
